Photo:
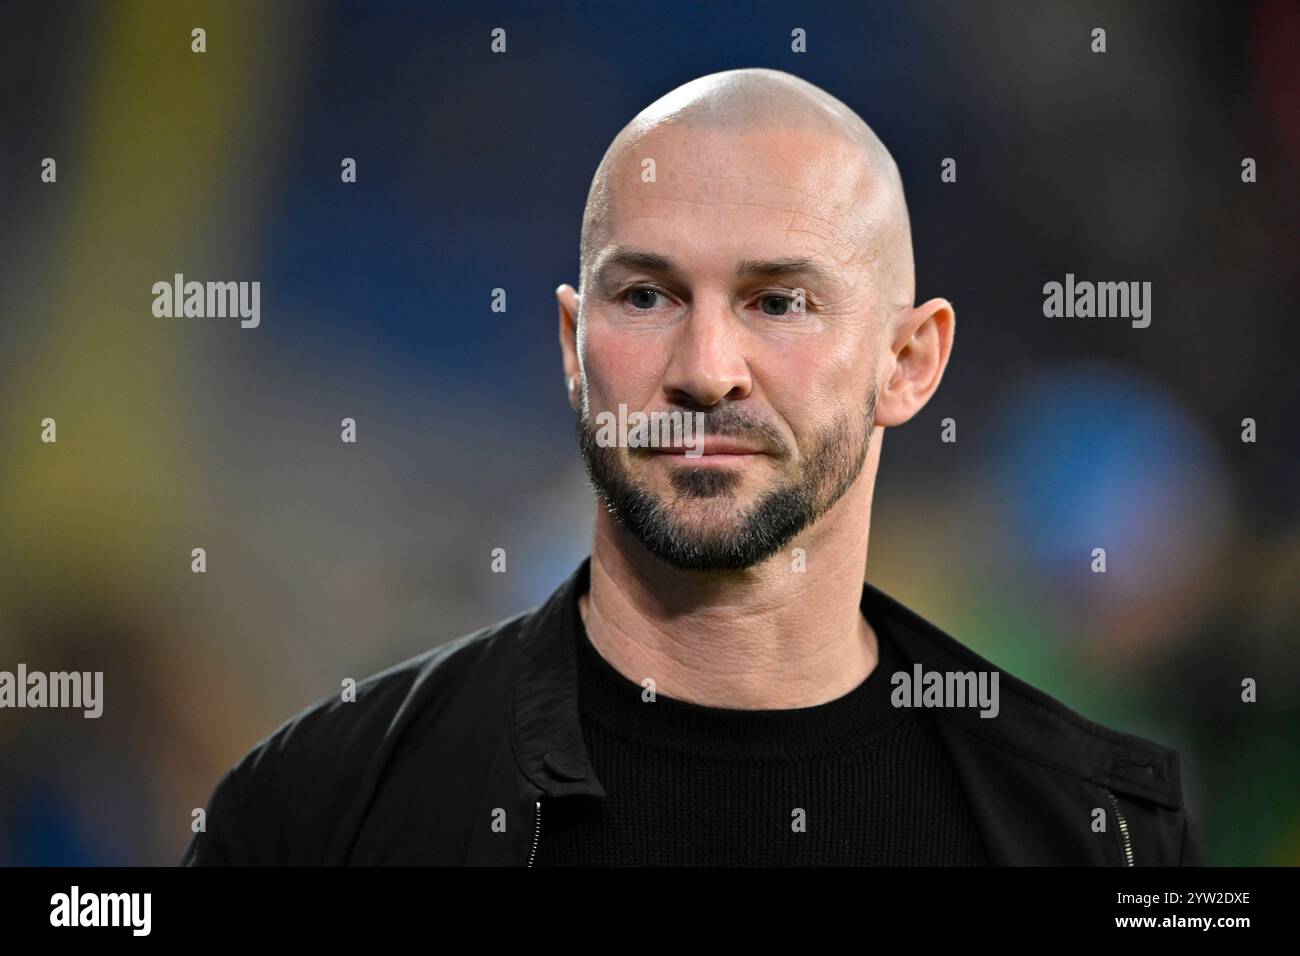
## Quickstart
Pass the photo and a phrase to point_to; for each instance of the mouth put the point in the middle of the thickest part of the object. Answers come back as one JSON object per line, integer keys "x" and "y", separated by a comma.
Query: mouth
{"x": 711, "y": 453}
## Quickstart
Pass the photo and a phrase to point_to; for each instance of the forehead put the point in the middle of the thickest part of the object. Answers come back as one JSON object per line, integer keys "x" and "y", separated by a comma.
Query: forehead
{"x": 791, "y": 191}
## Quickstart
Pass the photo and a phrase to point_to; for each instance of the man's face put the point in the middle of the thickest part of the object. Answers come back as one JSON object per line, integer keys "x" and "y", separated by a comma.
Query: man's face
{"x": 691, "y": 306}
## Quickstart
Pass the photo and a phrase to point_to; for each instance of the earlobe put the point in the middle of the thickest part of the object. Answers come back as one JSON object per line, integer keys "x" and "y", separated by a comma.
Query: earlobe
{"x": 886, "y": 414}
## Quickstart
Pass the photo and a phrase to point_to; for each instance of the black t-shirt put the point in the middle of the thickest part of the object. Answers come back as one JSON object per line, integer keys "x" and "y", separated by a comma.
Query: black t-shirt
{"x": 854, "y": 781}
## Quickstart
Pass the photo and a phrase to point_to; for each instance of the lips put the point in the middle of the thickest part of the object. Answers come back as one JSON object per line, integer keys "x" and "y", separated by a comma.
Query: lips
{"x": 715, "y": 446}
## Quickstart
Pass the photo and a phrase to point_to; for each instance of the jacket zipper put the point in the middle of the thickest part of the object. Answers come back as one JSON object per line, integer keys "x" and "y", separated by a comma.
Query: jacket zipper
{"x": 537, "y": 832}
{"x": 1125, "y": 839}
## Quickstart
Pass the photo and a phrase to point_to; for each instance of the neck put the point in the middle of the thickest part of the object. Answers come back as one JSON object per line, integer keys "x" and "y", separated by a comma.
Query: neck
{"x": 768, "y": 637}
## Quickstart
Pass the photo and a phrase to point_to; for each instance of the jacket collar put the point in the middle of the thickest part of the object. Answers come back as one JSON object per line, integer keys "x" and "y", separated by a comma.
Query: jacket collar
{"x": 547, "y": 730}
{"x": 551, "y": 753}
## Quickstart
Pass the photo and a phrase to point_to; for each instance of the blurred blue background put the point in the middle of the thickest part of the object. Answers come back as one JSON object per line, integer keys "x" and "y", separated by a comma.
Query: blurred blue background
{"x": 328, "y": 560}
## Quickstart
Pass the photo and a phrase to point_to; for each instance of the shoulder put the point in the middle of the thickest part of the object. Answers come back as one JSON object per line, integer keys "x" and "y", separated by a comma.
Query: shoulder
{"x": 339, "y": 729}
{"x": 293, "y": 787}
{"x": 1052, "y": 749}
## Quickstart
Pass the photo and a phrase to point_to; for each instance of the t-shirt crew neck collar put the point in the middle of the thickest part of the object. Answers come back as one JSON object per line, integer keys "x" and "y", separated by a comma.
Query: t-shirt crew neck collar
{"x": 845, "y": 725}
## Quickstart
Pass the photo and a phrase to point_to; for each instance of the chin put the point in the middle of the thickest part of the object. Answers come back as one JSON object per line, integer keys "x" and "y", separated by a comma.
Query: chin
{"x": 716, "y": 517}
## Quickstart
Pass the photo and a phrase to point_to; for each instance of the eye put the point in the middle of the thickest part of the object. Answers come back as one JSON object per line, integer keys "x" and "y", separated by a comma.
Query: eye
{"x": 641, "y": 297}
{"x": 778, "y": 304}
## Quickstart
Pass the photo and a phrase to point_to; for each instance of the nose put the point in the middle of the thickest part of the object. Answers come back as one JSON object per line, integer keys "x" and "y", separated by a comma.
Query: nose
{"x": 707, "y": 363}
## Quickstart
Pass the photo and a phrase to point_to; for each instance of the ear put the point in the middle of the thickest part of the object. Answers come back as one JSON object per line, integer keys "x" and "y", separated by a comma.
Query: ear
{"x": 567, "y": 298}
{"x": 920, "y": 341}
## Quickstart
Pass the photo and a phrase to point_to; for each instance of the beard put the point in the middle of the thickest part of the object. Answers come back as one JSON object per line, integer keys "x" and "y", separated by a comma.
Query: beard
{"x": 827, "y": 469}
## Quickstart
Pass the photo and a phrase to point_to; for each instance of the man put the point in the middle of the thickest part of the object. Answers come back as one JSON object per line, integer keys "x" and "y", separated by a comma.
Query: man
{"x": 717, "y": 684}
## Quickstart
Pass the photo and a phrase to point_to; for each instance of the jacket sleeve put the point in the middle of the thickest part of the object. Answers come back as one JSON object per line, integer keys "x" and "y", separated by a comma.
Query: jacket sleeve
{"x": 1192, "y": 854}
{"x": 222, "y": 844}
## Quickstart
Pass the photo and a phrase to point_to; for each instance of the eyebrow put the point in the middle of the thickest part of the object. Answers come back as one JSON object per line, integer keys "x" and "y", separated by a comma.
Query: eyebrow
{"x": 767, "y": 268}
{"x": 791, "y": 265}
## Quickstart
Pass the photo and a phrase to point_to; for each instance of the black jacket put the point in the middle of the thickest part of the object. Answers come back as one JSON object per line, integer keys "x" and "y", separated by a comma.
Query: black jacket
{"x": 452, "y": 756}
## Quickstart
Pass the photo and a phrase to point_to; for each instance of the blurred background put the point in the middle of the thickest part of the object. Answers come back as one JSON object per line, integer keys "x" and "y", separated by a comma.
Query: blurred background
{"x": 327, "y": 560}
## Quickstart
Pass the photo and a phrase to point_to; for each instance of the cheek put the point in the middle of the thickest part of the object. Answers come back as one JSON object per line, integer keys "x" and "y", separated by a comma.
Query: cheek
{"x": 810, "y": 386}
{"x": 620, "y": 368}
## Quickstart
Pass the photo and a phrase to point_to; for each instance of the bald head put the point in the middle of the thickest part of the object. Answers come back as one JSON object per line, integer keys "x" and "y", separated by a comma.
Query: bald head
{"x": 746, "y": 258}
{"x": 739, "y": 111}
